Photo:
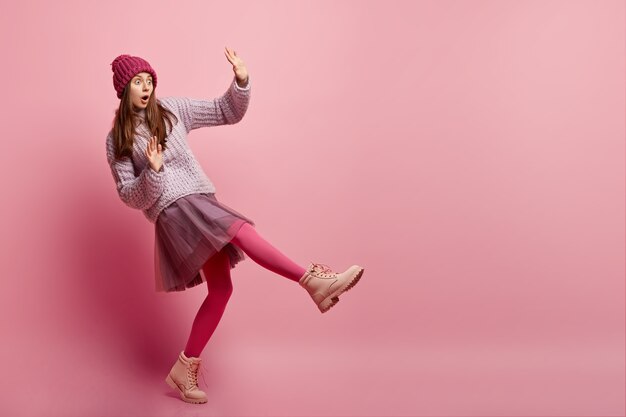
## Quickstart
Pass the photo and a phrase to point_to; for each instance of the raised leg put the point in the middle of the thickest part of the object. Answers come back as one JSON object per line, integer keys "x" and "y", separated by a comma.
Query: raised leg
{"x": 266, "y": 255}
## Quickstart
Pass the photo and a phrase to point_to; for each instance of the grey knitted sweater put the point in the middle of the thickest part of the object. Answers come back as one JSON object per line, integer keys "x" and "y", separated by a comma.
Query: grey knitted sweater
{"x": 141, "y": 187}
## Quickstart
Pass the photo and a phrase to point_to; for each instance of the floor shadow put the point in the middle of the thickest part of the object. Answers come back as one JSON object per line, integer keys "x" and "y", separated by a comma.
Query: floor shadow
{"x": 114, "y": 264}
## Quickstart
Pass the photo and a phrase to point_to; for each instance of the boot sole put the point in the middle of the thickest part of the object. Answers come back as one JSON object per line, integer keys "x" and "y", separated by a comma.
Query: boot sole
{"x": 172, "y": 384}
{"x": 333, "y": 299}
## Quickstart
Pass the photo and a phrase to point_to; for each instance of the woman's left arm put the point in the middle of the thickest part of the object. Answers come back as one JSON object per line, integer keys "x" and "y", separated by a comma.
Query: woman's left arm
{"x": 227, "y": 109}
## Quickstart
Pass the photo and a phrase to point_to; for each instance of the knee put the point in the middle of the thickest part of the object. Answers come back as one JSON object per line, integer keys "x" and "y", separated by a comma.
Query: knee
{"x": 226, "y": 289}
{"x": 222, "y": 289}
{"x": 217, "y": 272}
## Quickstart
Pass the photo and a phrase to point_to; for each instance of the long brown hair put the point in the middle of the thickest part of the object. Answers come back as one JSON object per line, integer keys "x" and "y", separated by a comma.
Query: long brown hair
{"x": 125, "y": 122}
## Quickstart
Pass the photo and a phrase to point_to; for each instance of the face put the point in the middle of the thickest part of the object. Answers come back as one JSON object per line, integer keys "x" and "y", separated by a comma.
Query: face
{"x": 140, "y": 88}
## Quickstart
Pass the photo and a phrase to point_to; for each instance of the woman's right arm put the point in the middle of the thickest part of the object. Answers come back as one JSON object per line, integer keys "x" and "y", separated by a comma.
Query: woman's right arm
{"x": 139, "y": 192}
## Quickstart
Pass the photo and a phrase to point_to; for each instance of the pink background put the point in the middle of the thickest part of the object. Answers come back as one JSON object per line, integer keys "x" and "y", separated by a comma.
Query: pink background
{"x": 469, "y": 154}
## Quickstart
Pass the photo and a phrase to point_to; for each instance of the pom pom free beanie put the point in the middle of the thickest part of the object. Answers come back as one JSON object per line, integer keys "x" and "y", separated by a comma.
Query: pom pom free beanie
{"x": 125, "y": 67}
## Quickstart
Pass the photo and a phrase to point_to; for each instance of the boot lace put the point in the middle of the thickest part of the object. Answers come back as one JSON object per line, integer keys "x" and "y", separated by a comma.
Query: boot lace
{"x": 192, "y": 374}
{"x": 322, "y": 268}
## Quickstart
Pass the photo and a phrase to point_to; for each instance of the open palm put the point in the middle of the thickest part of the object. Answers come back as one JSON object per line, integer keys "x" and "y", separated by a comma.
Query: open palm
{"x": 154, "y": 153}
{"x": 239, "y": 67}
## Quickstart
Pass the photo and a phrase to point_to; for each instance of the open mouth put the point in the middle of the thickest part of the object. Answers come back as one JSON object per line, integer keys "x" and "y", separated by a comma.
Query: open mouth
{"x": 145, "y": 98}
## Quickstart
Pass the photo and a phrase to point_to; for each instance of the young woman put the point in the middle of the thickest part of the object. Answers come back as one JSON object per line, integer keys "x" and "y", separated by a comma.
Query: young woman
{"x": 197, "y": 238}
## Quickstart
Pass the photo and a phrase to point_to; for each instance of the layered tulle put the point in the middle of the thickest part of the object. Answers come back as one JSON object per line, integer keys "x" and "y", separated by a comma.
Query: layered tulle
{"x": 187, "y": 233}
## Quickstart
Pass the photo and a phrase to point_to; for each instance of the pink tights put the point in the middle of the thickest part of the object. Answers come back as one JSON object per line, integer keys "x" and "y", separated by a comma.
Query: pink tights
{"x": 217, "y": 272}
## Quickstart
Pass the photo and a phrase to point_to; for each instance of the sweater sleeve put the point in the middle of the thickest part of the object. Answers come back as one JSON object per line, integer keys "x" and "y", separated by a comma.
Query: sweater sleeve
{"x": 139, "y": 192}
{"x": 227, "y": 109}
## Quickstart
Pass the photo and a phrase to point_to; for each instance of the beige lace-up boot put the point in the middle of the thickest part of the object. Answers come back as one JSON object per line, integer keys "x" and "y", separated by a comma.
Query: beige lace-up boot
{"x": 184, "y": 378}
{"x": 325, "y": 286}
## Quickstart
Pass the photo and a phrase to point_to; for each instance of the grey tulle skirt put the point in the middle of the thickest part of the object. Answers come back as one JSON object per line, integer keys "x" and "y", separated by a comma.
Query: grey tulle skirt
{"x": 188, "y": 233}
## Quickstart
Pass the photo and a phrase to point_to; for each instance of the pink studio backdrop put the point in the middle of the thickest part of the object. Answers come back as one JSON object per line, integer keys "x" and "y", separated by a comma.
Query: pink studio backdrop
{"x": 469, "y": 154}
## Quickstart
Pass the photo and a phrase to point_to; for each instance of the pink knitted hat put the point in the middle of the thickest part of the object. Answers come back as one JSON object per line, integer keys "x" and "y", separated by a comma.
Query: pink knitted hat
{"x": 125, "y": 67}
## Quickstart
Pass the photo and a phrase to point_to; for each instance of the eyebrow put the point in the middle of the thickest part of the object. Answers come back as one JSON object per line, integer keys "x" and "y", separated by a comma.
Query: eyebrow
{"x": 137, "y": 76}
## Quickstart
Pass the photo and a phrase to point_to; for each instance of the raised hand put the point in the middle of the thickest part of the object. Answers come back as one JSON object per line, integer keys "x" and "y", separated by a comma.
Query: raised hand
{"x": 154, "y": 153}
{"x": 241, "y": 72}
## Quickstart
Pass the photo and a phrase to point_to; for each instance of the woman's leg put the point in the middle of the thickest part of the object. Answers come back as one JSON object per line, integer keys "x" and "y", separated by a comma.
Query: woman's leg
{"x": 217, "y": 272}
{"x": 266, "y": 255}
